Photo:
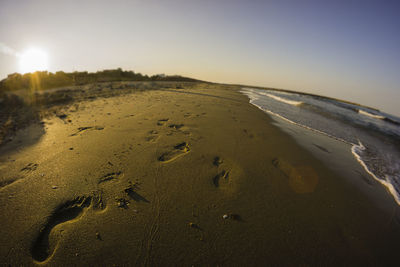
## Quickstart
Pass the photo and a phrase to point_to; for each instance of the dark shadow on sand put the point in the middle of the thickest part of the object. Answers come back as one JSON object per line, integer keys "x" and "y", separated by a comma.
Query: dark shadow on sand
{"x": 15, "y": 115}
{"x": 135, "y": 196}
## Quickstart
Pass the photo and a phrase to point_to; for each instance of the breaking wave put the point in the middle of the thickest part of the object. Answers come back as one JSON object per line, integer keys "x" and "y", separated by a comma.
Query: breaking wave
{"x": 283, "y": 100}
{"x": 387, "y": 181}
{"x": 371, "y": 115}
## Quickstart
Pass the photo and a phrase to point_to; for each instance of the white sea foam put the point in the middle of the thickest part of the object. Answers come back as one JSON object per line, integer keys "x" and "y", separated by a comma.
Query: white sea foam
{"x": 385, "y": 182}
{"x": 281, "y": 99}
{"x": 370, "y": 114}
{"x": 249, "y": 91}
{"x": 253, "y": 97}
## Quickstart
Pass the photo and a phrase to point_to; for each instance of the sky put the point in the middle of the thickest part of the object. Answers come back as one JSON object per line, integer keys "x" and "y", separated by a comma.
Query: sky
{"x": 344, "y": 49}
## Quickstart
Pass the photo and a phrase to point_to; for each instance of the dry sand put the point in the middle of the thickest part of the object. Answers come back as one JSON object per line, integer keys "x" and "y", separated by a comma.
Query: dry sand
{"x": 146, "y": 178}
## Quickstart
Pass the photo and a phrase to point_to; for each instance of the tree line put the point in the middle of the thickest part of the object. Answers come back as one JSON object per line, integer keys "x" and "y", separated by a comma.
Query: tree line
{"x": 42, "y": 80}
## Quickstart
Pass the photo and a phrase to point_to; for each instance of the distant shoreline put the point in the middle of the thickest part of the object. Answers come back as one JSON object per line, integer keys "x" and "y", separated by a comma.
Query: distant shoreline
{"x": 309, "y": 94}
{"x": 48, "y": 80}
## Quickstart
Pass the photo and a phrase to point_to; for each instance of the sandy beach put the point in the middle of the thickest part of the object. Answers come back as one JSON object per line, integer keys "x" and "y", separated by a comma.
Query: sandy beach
{"x": 186, "y": 174}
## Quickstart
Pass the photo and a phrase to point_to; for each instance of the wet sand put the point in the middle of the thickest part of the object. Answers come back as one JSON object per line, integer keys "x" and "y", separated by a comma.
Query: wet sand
{"x": 146, "y": 178}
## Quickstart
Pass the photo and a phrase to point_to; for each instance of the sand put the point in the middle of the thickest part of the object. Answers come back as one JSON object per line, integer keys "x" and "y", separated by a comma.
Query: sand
{"x": 192, "y": 176}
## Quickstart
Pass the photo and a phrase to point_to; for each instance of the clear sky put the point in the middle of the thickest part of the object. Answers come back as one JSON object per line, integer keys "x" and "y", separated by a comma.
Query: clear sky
{"x": 345, "y": 49}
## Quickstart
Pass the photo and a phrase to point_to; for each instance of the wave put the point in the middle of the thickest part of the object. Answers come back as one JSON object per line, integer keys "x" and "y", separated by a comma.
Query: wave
{"x": 298, "y": 124}
{"x": 281, "y": 99}
{"x": 356, "y": 150}
{"x": 371, "y": 115}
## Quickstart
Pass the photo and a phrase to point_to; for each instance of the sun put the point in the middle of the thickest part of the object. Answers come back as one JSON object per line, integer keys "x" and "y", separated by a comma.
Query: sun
{"x": 32, "y": 60}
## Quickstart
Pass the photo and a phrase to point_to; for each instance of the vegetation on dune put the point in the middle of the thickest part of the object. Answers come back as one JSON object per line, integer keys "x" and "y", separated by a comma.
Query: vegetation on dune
{"x": 42, "y": 80}
{"x": 25, "y": 98}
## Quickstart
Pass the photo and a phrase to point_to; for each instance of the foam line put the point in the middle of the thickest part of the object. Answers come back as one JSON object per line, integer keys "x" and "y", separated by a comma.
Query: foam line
{"x": 371, "y": 115}
{"x": 384, "y": 182}
{"x": 298, "y": 124}
{"x": 283, "y": 100}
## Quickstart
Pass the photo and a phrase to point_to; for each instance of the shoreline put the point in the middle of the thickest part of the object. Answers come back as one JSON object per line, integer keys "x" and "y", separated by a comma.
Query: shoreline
{"x": 152, "y": 173}
{"x": 309, "y": 94}
{"x": 309, "y": 131}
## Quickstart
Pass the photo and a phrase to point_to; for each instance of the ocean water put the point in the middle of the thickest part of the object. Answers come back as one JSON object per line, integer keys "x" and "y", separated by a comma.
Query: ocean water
{"x": 374, "y": 136}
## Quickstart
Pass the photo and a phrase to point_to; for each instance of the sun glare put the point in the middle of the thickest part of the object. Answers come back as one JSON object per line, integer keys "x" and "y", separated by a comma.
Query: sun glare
{"x": 33, "y": 60}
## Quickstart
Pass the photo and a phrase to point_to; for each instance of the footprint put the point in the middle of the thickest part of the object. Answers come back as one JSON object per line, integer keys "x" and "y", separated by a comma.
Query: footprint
{"x": 302, "y": 179}
{"x": 217, "y": 161}
{"x": 283, "y": 166}
{"x": 179, "y": 150}
{"x": 83, "y": 129}
{"x": 175, "y": 126}
{"x": 153, "y": 136}
{"x": 110, "y": 176}
{"x": 30, "y": 167}
{"x": 98, "y": 201}
{"x": 228, "y": 177}
{"x": 41, "y": 248}
{"x": 162, "y": 122}
{"x": 224, "y": 175}
{"x": 188, "y": 133}
{"x": 250, "y": 135}
{"x": 122, "y": 202}
{"x": 63, "y": 117}
{"x": 7, "y": 182}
